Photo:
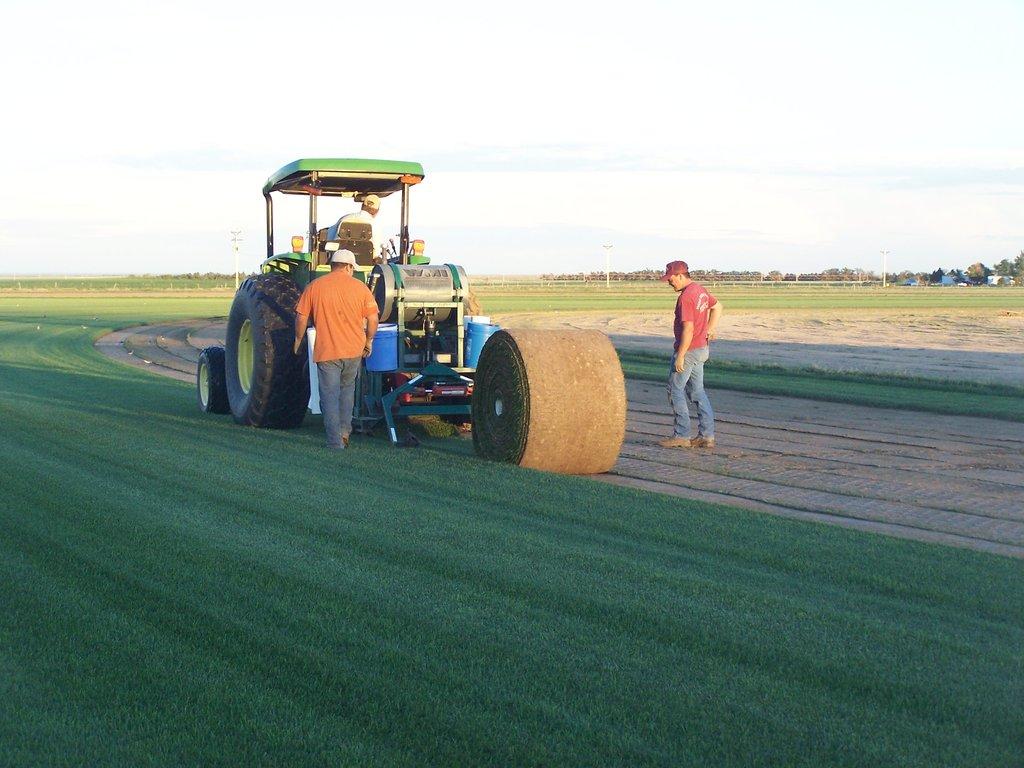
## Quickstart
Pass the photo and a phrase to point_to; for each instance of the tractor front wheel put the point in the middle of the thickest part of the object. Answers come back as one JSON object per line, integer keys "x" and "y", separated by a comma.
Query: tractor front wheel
{"x": 267, "y": 384}
{"x": 211, "y": 388}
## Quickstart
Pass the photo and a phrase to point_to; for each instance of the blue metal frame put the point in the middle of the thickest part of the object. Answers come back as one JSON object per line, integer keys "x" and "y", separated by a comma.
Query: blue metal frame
{"x": 434, "y": 373}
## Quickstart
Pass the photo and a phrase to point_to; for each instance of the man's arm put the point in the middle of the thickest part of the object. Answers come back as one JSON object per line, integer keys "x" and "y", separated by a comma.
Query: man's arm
{"x": 370, "y": 313}
{"x": 683, "y": 345}
{"x": 371, "y": 330}
{"x": 713, "y": 317}
{"x": 301, "y": 323}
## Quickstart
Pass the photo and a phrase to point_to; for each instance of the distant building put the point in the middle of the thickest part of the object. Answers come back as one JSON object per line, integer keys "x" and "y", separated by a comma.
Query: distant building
{"x": 1000, "y": 280}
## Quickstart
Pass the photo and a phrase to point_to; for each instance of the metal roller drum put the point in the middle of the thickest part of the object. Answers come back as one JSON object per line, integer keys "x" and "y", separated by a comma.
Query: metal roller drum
{"x": 427, "y": 283}
{"x": 550, "y": 400}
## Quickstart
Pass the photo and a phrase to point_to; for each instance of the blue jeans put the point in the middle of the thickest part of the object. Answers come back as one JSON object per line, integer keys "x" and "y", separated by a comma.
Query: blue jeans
{"x": 687, "y": 387}
{"x": 337, "y": 396}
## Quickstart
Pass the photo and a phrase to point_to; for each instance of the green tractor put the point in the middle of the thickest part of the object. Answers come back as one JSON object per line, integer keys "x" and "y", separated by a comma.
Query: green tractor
{"x": 550, "y": 400}
{"x": 423, "y": 311}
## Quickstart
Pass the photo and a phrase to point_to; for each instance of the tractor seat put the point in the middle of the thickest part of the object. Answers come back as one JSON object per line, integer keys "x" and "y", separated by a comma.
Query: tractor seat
{"x": 356, "y": 236}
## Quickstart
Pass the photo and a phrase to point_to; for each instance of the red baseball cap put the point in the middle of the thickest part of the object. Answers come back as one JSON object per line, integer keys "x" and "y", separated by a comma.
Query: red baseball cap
{"x": 675, "y": 268}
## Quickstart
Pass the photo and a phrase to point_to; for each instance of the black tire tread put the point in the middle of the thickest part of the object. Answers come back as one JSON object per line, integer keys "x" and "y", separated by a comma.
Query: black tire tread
{"x": 280, "y": 388}
{"x": 213, "y": 358}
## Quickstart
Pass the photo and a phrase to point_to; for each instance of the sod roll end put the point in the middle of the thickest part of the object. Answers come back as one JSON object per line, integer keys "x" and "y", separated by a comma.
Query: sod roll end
{"x": 550, "y": 400}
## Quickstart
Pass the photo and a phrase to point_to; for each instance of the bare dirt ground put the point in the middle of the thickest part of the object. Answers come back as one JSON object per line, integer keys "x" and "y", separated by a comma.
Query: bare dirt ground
{"x": 947, "y": 479}
{"x": 972, "y": 346}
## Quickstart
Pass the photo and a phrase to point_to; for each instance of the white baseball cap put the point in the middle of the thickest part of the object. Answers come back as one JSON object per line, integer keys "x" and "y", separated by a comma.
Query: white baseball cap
{"x": 344, "y": 256}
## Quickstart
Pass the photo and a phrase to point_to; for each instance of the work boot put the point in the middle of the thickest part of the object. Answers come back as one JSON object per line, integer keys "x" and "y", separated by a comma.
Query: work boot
{"x": 344, "y": 441}
{"x": 704, "y": 442}
{"x": 676, "y": 442}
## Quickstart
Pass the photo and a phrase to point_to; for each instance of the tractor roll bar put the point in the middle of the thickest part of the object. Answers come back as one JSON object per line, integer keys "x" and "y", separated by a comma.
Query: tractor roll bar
{"x": 403, "y": 244}
{"x": 270, "y": 225}
{"x": 312, "y": 220}
{"x": 403, "y": 240}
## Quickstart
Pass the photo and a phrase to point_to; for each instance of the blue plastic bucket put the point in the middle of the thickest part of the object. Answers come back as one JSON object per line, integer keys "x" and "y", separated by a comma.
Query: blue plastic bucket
{"x": 478, "y": 335}
{"x": 384, "y": 356}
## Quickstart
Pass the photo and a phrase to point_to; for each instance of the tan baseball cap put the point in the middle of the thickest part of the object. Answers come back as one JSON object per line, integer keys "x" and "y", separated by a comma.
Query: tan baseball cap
{"x": 344, "y": 256}
{"x": 371, "y": 201}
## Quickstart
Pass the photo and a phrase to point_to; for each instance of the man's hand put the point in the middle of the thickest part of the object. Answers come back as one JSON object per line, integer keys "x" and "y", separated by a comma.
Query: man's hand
{"x": 368, "y": 348}
{"x": 680, "y": 363}
{"x": 712, "y": 333}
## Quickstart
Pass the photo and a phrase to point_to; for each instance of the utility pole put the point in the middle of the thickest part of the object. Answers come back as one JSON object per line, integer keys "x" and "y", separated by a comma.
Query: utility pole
{"x": 885, "y": 255}
{"x": 236, "y": 238}
{"x": 607, "y": 266}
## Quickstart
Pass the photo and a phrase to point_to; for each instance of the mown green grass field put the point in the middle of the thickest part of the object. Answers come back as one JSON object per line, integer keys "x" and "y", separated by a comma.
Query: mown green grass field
{"x": 996, "y": 401}
{"x": 526, "y": 295}
{"x": 654, "y": 295}
{"x": 180, "y": 590}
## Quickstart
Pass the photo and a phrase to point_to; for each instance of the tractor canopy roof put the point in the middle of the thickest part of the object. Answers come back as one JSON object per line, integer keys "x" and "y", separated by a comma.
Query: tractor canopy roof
{"x": 343, "y": 176}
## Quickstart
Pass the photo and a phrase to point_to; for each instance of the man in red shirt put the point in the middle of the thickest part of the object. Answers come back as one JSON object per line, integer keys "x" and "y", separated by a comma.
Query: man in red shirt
{"x": 696, "y": 318}
{"x": 345, "y": 315}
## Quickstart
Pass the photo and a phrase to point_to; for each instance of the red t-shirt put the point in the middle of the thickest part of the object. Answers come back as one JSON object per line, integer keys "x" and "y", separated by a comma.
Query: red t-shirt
{"x": 339, "y": 306}
{"x": 693, "y": 306}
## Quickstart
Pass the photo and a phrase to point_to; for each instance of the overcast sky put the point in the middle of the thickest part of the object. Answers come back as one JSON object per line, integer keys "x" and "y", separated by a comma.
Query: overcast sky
{"x": 735, "y": 135}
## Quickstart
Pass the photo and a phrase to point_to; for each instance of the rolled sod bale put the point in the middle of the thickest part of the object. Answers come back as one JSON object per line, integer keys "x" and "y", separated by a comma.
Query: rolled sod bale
{"x": 550, "y": 400}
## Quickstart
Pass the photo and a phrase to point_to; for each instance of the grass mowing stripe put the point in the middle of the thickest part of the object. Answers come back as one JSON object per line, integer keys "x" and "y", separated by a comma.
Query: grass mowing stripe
{"x": 655, "y": 296}
{"x": 179, "y": 589}
{"x": 890, "y": 379}
{"x": 880, "y": 391}
{"x": 567, "y": 297}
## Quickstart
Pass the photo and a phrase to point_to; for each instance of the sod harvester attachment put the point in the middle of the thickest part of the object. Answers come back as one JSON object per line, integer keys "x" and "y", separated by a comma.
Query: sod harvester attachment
{"x": 550, "y": 400}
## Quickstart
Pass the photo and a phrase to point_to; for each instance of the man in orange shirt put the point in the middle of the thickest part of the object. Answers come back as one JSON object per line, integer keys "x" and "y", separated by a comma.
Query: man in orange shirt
{"x": 345, "y": 315}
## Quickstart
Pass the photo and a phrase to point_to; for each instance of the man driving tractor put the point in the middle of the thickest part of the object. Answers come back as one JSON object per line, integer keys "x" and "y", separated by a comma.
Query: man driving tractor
{"x": 367, "y": 214}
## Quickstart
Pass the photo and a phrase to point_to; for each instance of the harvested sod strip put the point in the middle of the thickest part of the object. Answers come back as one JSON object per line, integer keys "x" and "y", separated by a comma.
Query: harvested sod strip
{"x": 179, "y": 590}
{"x": 965, "y": 398}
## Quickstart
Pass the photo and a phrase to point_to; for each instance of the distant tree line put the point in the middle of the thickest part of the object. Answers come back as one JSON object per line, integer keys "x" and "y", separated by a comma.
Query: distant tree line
{"x": 1007, "y": 272}
{"x": 195, "y": 276}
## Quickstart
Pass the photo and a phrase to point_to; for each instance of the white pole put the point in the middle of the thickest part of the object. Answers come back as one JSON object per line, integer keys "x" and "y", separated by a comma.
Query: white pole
{"x": 235, "y": 240}
{"x": 885, "y": 254}
{"x": 607, "y": 266}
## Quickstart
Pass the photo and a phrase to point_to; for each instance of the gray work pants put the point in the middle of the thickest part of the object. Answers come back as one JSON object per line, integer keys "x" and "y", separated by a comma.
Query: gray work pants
{"x": 337, "y": 396}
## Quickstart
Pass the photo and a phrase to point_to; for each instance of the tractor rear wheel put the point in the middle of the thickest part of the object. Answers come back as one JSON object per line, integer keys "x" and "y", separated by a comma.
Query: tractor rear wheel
{"x": 211, "y": 388}
{"x": 267, "y": 384}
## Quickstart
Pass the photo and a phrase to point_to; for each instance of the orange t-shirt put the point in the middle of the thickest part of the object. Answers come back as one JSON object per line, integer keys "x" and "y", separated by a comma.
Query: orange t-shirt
{"x": 338, "y": 305}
